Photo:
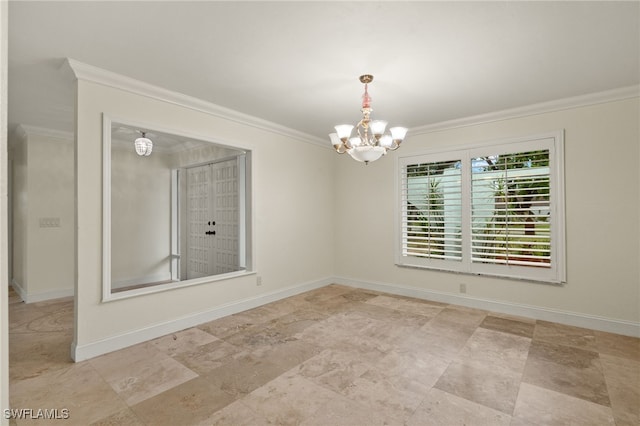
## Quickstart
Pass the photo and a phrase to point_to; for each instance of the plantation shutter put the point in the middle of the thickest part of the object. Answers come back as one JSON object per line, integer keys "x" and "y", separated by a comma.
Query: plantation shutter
{"x": 510, "y": 216}
{"x": 431, "y": 216}
{"x": 489, "y": 209}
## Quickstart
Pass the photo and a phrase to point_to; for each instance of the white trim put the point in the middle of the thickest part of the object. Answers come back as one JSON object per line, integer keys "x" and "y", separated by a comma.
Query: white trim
{"x": 18, "y": 288}
{"x": 110, "y": 344}
{"x": 158, "y": 288}
{"x": 40, "y": 297}
{"x": 611, "y": 325}
{"x": 113, "y": 343}
{"x": 535, "y": 109}
{"x": 5, "y": 214}
{"x": 20, "y": 133}
{"x": 93, "y": 74}
{"x": 45, "y": 133}
{"x": 175, "y": 226}
{"x": 554, "y": 142}
{"x": 106, "y": 206}
{"x": 249, "y": 243}
{"x": 164, "y": 276}
{"x": 242, "y": 212}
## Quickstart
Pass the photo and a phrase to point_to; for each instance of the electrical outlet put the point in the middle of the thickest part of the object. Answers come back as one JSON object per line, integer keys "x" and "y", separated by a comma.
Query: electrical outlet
{"x": 258, "y": 280}
{"x": 463, "y": 288}
{"x": 49, "y": 222}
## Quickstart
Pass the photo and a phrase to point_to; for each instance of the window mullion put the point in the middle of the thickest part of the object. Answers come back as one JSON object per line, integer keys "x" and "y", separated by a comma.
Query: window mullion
{"x": 466, "y": 211}
{"x": 488, "y": 209}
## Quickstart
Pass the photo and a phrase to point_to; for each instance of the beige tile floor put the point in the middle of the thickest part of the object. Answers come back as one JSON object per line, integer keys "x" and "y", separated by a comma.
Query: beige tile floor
{"x": 332, "y": 356}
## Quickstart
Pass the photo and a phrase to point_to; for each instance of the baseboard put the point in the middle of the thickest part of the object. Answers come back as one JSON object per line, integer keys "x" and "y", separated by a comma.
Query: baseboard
{"x": 90, "y": 350}
{"x": 627, "y": 328}
{"x": 40, "y": 297}
{"x": 18, "y": 288}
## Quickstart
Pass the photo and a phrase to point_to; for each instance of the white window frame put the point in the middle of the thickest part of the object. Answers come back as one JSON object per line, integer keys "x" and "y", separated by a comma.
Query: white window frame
{"x": 248, "y": 243}
{"x": 554, "y": 142}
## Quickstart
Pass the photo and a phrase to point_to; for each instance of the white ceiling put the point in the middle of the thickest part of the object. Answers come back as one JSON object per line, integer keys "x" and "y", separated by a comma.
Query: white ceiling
{"x": 297, "y": 63}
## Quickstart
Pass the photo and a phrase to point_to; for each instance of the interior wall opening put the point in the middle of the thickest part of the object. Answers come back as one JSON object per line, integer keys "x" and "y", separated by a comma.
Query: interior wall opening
{"x": 175, "y": 212}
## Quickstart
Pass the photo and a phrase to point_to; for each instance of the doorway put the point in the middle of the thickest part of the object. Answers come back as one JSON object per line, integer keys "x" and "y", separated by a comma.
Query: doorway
{"x": 214, "y": 212}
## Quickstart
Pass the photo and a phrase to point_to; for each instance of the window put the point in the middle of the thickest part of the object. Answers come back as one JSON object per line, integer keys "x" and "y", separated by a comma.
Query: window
{"x": 432, "y": 200}
{"x": 491, "y": 210}
{"x": 192, "y": 198}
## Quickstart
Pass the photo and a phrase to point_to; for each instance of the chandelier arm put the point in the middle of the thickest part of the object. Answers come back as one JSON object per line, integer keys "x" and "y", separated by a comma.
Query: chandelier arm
{"x": 365, "y": 139}
{"x": 364, "y": 125}
{"x": 366, "y": 146}
{"x": 340, "y": 149}
{"x": 358, "y": 127}
{"x": 347, "y": 144}
{"x": 395, "y": 145}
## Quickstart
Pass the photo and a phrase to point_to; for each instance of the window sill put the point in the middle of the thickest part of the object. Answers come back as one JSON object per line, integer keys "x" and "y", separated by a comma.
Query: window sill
{"x": 514, "y": 277}
{"x": 175, "y": 285}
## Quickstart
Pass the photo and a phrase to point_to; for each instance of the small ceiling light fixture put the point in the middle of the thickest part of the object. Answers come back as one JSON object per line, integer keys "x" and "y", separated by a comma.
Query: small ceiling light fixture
{"x": 143, "y": 145}
{"x": 371, "y": 142}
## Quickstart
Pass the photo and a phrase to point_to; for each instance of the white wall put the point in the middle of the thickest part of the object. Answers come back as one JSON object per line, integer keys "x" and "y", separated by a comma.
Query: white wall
{"x": 140, "y": 217}
{"x": 292, "y": 184}
{"x": 19, "y": 197}
{"x": 602, "y": 208}
{"x": 303, "y": 235}
{"x": 4, "y": 262}
{"x": 50, "y": 250}
{"x": 42, "y": 189}
{"x": 140, "y": 209}
{"x": 199, "y": 155}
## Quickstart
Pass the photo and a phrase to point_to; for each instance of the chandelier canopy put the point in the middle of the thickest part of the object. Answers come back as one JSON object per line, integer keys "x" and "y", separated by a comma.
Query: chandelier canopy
{"x": 143, "y": 145}
{"x": 371, "y": 141}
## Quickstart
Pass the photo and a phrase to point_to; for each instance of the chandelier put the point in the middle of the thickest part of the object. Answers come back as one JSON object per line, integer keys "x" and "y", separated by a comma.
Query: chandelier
{"x": 143, "y": 145}
{"x": 371, "y": 141}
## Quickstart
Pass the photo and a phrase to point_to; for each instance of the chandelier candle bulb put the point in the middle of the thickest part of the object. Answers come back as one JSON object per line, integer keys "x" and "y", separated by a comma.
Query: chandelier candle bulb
{"x": 371, "y": 141}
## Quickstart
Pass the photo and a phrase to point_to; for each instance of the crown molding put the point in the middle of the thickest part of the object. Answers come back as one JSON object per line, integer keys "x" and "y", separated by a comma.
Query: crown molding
{"x": 20, "y": 134}
{"x": 94, "y": 74}
{"x": 90, "y": 73}
{"x": 534, "y": 109}
{"x": 25, "y": 130}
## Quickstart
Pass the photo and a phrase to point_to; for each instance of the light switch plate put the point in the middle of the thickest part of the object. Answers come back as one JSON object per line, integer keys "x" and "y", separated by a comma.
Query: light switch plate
{"x": 49, "y": 222}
